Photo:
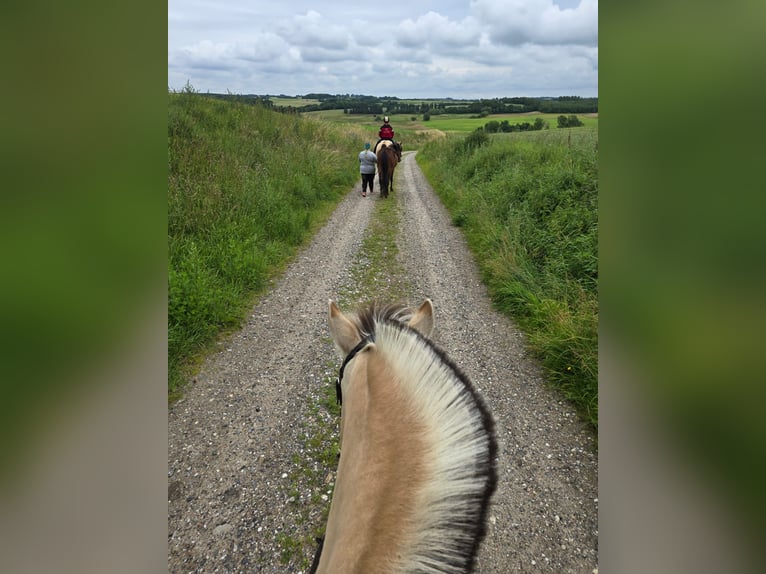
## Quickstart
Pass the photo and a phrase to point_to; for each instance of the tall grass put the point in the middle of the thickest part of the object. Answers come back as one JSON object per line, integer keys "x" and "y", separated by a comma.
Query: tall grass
{"x": 247, "y": 186}
{"x": 528, "y": 206}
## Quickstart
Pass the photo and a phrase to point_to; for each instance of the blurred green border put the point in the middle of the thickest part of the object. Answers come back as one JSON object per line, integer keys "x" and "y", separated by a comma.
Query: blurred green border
{"x": 83, "y": 217}
{"x": 682, "y": 245}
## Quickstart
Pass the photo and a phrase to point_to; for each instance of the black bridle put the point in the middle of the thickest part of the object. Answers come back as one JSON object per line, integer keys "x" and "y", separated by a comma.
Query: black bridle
{"x": 360, "y": 345}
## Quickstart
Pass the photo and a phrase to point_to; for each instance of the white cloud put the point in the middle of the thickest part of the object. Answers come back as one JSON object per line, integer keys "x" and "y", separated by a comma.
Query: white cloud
{"x": 515, "y": 22}
{"x": 437, "y": 31}
{"x": 419, "y": 48}
{"x": 312, "y": 30}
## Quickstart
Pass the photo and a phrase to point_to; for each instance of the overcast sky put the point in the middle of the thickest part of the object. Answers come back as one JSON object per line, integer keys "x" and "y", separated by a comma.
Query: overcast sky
{"x": 408, "y": 49}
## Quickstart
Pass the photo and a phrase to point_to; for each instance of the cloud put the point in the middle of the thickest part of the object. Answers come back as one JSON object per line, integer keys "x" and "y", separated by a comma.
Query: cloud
{"x": 265, "y": 48}
{"x": 515, "y": 22}
{"x": 438, "y": 32}
{"x": 311, "y": 29}
{"x": 479, "y": 48}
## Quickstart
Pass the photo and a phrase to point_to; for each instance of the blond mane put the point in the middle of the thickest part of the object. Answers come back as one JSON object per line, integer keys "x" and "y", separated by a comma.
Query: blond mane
{"x": 435, "y": 442}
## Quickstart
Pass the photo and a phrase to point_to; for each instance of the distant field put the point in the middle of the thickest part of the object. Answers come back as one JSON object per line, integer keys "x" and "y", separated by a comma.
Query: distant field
{"x": 339, "y": 116}
{"x": 447, "y": 123}
{"x": 295, "y": 102}
{"x": 465, "y": 123}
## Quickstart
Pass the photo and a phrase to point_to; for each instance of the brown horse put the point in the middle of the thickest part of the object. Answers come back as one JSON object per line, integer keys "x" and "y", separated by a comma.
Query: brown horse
{"x": 389, "y": 154}
{"x": 417, "y": 464}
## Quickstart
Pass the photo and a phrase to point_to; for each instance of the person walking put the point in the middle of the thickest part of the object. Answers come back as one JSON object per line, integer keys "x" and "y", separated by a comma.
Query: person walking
{"x": 367, "y": 163}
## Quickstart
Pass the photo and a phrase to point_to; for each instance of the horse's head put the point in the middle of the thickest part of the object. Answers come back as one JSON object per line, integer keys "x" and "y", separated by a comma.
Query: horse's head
{"x": 412, "y": 428}
{"x": 348, "y": 331}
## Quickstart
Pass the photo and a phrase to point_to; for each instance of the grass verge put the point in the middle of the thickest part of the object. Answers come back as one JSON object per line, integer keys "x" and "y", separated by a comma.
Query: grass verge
{"x": 527, "y": 204}
{"x": 241, "y": 202}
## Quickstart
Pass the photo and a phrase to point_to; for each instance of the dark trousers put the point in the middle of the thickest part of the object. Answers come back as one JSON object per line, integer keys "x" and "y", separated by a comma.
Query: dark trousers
{"x": 367, "y": 179}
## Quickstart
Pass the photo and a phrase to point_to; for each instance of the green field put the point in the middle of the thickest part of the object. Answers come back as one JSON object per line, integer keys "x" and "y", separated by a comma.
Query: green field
{"x": 465, "y": 123}
{"x": 294, "y": 102}
{"x": 405, "y": 126}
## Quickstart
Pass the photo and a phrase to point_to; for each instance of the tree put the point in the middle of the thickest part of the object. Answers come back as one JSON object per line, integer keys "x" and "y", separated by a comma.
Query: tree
{"x": 569, "y": 122}
{"x": 492, "y": 127}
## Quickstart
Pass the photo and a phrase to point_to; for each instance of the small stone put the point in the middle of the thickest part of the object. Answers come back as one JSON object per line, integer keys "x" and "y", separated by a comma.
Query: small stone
{"x": 222, "y": 529}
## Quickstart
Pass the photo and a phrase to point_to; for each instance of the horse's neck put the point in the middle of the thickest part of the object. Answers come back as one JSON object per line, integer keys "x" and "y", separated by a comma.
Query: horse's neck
{"x": 417, "y": 463}
{"x": 380, "y": 473}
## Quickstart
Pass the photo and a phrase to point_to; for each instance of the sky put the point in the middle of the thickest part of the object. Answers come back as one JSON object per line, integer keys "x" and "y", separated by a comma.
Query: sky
{"x": 408, "y": 49}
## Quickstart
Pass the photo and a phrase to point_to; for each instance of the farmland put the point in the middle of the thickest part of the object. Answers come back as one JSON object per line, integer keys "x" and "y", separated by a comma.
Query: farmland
{"x": 413, "y": 131}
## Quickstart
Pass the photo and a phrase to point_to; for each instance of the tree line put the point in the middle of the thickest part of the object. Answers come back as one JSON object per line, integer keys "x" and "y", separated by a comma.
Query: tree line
{"x": 482, "y": 107}
{"x": 378, "y": 105}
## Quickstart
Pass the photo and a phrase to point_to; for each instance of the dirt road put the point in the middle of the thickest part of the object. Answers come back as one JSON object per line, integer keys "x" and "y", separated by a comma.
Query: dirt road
{"x": 240, "y": 498}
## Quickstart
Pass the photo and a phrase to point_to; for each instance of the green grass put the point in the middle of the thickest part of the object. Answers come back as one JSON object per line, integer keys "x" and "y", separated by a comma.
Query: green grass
{"x": 528, "y": 206}
{"x": 239, "y": 207}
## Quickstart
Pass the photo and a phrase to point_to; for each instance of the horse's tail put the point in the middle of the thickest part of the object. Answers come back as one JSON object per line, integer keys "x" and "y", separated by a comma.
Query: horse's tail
{"x": 383, "y": 170}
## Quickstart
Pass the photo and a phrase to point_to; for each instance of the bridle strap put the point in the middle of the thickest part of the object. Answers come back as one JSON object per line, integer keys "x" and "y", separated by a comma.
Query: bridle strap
{"x": 360, "y": 345}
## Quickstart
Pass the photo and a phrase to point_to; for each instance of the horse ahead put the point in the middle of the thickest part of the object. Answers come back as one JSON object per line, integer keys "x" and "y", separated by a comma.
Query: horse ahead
{"x": 417, "y": 464}
{"x": 389, "y": 154}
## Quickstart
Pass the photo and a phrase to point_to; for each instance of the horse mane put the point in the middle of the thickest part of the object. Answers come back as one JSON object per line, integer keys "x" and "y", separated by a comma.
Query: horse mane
{"x": 454, "y": 504}
{"x": 376, "y": 312}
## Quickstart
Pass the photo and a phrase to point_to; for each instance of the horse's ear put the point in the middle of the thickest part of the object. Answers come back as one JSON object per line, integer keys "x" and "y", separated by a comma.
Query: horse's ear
{"x": 423, "y": 320}
{"x": 342, "y": 331}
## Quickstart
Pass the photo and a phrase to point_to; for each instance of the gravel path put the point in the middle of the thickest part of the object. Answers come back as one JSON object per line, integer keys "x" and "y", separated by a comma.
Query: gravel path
{"x": 236, "y": 495}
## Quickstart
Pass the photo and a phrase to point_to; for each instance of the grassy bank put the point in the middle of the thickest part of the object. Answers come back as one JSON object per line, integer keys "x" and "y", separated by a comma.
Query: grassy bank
{"x": 528, "y": 206}
{"x": 246, "y": 187}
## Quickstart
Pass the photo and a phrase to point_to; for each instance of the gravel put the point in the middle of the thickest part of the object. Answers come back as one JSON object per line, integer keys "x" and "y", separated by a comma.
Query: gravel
{"x": 237, "y": 497}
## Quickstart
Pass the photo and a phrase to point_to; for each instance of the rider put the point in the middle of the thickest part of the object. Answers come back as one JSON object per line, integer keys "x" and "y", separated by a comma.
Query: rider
{"x": 386, "y": 132}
